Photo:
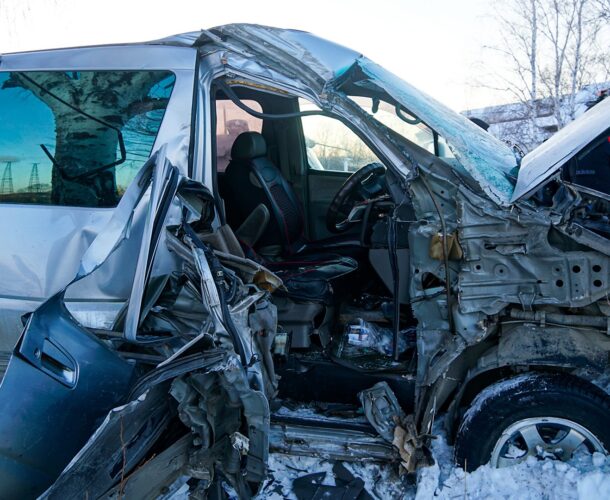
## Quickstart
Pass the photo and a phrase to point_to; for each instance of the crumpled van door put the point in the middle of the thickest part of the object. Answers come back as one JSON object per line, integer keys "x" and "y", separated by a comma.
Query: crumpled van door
{"x": 55, "y": 197}
{"x": 62, "y": 380}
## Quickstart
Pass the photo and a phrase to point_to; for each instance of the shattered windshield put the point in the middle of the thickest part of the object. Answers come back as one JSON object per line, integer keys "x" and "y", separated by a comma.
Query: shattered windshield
{"x": 487, "y": 160}
{"x": 77, "y": 138}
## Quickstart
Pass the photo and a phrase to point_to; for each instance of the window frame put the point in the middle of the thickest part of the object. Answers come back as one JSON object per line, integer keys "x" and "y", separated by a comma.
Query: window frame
{"x": 574, "y": 162}
{"x": 180, "y": 112}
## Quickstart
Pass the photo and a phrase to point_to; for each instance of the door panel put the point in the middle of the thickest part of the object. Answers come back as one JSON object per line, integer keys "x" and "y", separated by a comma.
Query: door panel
{"x": 60, "y": 382}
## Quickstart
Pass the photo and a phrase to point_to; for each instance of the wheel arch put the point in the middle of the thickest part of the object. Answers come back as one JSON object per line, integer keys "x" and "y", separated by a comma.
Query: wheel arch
{"x": 519, "y": 349}
{"x": 557, "y": 401}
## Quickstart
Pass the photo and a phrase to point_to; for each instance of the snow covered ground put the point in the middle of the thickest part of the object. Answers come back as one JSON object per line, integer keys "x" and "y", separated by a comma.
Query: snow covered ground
{"x": 585, "y": 477}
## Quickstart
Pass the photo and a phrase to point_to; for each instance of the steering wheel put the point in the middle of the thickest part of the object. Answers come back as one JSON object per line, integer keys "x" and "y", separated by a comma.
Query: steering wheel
{"x": 362, "y": 185}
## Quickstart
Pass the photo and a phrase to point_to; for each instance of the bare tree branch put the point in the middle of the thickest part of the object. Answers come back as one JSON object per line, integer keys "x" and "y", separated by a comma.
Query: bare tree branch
{"x": 552, "y": 49}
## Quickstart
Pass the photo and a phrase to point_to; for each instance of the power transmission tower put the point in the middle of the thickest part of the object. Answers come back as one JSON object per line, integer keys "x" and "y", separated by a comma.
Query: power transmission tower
{"x": 6, "y": 187}
{"x": 34, "y": 184}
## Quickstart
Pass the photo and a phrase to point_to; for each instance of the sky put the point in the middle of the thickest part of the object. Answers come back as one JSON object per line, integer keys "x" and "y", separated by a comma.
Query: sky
{"x": 436, "y": 45}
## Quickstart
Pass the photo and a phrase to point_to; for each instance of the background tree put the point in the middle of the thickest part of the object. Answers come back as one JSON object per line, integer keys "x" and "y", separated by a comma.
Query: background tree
{"x": 603, "y": 7}
{"x": 552, "y": 49}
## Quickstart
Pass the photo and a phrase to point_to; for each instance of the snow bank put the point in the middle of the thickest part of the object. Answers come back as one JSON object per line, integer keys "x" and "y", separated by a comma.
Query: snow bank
{"x": 585, "y": 477}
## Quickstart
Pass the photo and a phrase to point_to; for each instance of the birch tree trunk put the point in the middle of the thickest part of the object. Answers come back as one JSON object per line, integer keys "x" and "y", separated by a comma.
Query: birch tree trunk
{"x": 83, "y": 144}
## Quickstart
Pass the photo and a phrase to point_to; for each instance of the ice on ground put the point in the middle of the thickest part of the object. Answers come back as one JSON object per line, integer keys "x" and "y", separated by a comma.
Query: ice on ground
{"x": 380, "y": 480}
{"x": 284, "y": 469}
{"x": 585, "y": 477}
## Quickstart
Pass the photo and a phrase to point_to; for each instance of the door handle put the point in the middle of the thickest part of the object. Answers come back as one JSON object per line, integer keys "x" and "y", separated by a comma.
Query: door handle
{"x": 56, "y": 363}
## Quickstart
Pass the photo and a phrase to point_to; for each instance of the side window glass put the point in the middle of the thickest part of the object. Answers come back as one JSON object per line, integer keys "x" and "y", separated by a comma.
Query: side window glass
{"x": 331, "y": 145}
{"x": 417, "y": 133}
{"x": 592, "y": 167}
{"x": 60, "y": 133}
{"x": 230, "y": 122}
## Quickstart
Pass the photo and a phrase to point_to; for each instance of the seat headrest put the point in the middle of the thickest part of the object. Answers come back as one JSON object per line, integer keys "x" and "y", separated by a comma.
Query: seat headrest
{"x": 248, "y": 145}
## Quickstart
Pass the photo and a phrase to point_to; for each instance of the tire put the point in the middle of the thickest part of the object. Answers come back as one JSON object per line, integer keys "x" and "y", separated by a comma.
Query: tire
{"x": 535, "y": 414}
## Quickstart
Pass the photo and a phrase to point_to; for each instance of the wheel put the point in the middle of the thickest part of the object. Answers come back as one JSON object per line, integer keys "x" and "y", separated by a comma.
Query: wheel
{"x": 364, "y": 184}
{"x": 536, "y": 414}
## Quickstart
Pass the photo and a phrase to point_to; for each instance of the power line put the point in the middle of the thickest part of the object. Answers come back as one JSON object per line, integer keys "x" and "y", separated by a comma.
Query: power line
{"x": 34, "y": 184}
{"x": 6, "y": 186}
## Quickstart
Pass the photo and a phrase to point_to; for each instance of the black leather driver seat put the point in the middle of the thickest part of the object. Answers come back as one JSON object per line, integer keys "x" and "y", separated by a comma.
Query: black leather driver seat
{"x": 252, "y": 179}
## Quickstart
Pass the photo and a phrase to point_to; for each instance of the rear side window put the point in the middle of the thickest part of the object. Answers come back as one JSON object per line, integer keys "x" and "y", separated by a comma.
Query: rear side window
{"x": 230, "y": 122}
{"x": 77, "y": 138}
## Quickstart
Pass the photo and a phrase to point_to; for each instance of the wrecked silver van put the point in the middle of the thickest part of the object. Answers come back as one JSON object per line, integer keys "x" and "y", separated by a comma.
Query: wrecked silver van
{"x": 215, "y": 229}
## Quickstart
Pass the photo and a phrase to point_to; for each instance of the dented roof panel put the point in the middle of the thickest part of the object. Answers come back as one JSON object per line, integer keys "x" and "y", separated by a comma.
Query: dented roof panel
{"x": 546, "y": 160}
{"x": 327, "y": 60}
{"x": 486, "y": 159}
{"x": 335, "y": 58}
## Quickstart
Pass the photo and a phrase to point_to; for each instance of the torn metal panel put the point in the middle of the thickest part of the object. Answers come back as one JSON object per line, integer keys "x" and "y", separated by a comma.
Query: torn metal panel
{"x": 509, "y": 258}
{"x": 541, "y": 164}
{"x": 382, "y": 409}
{"x": 514, "y": 257}
{"x": 67, "y": 371}
{"x": 151, "y": 479}
{"x": 211, "y": 404}
{"x": 58, "y": 371}
{"x": 434, "y": 202}
{"x": 330, "y": 443}
{"x": 116, "y": 447}
{"x": 585, "y": 237}
{"x": 165, "y": 181}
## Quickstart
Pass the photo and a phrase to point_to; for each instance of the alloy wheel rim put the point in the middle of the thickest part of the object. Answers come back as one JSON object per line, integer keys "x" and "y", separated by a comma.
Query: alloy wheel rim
{"x": 542, "y": 437}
